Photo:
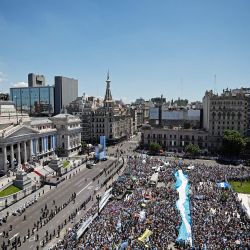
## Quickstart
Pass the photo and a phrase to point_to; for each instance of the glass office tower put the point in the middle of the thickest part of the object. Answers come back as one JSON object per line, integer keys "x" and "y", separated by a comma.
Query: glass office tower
{"x": 36, "y": 101}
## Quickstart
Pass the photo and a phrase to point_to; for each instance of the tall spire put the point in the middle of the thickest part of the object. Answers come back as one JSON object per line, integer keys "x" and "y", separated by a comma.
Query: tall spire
{"x": 108, "y": 96}
{"x": 108, "y": 75}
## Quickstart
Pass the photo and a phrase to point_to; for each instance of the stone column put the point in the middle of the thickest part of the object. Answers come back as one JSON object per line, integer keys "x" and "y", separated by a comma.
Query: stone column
{"x": 4, "y": 159}
{"x": 42, "y": 140}
{"x": 25, "y": 152}
{"x": 12, "y": 156}
{"x": 37, "y": 146}
{"x": 51, "y": 142}
{"x": 18, "y": 154}
{"x": 46, "y": 144}
{"x": 31, "y": 149}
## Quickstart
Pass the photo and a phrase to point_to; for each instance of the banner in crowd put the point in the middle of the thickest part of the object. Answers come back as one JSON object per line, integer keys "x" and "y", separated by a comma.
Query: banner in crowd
{"x": 223, "y": 185}
{"x": 84, "y": 226}
{"x": 145, "y": 235}
{"x": 100, "y": 150}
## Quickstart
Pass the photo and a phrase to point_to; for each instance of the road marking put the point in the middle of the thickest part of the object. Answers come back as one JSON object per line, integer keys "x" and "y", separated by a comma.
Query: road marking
{"x": 31, "y": 246}
{"x": 83, "y": 189}
{"x": 79, "y": 182}
{"x": 32, "y": 238}
{"x": 15, "y": 235}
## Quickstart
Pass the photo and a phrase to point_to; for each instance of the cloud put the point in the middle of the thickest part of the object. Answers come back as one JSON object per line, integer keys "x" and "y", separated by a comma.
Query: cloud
{"x": 20, "y": 84}
{"x": 2, "y": 77}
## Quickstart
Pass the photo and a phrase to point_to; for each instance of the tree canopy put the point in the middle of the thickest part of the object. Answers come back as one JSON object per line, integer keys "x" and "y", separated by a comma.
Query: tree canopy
{"x": 154, "y": 147}
{"x": 233, "y": 143}
{"x": 192, "y": 149}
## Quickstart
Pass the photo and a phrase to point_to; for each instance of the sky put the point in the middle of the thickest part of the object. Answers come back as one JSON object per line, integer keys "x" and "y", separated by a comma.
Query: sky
{"x": 151, "y": 47}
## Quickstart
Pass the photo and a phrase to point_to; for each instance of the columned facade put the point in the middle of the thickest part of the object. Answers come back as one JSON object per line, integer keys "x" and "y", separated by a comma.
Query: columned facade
{"x": 21, "y": 152}
{"x": 20, "y": 143}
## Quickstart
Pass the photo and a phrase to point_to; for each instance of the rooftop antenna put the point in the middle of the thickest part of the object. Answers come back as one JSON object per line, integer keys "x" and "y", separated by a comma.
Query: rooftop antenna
{"x": 215, "y": 90}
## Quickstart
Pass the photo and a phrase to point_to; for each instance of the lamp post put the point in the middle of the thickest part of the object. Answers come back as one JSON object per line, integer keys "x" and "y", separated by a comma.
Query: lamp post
{"x": 98, "y": 198}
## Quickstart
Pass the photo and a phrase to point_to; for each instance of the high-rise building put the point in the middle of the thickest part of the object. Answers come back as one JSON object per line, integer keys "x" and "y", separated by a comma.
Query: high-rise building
{"x": 36, "y": 80}
{"x": 36, "y": 101}
{"x": 66, "y": 91}
{"x": 226, "y": 111}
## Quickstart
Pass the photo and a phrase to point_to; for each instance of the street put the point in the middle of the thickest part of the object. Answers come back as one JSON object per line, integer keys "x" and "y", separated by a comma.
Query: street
{"x": 60, "y": 206}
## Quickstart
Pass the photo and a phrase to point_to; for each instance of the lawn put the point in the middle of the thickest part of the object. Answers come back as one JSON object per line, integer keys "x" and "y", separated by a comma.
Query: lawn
{"x": 66, "y": 164}
{"x": 244, "y": 188}
{"x": 9, "y": 190}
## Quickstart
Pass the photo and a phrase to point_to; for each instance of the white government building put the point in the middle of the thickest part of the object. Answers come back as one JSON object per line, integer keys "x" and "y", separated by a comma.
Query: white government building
{"x": 24, "y": 139}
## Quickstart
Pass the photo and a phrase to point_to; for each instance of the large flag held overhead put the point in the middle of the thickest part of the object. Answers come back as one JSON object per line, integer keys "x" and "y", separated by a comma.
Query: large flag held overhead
{"x": 223, "y": 185}
{"x": 145, "y": 235}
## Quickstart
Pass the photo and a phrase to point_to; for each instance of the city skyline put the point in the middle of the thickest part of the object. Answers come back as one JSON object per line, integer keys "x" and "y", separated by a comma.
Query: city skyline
{"x": 174, "y": 49}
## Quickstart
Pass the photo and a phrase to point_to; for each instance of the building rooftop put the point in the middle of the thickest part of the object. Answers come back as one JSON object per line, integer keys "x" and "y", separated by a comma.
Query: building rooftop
{"x": 40, "y": 120}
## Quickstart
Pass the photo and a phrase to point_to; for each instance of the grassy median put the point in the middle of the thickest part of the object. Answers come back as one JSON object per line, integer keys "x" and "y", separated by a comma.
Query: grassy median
{"x": 66, "y": 164}
{"x": 9, "y": 190}
{"x": 241, "y": 187}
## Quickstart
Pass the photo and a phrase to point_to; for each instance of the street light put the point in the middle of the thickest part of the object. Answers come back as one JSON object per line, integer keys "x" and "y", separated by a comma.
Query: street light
{"x": 98, "y": 198}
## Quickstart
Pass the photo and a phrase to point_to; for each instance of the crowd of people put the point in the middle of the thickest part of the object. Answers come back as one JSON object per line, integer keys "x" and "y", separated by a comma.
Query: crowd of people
{"x": 218, "y": 220}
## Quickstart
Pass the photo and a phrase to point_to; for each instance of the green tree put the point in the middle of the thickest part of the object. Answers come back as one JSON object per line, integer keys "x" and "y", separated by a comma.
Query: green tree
{"x": 192, "y": 149}
{"x": 154, "y": 147}
{"x": 59, "y": 151}
{"x": 233, "y": 143}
